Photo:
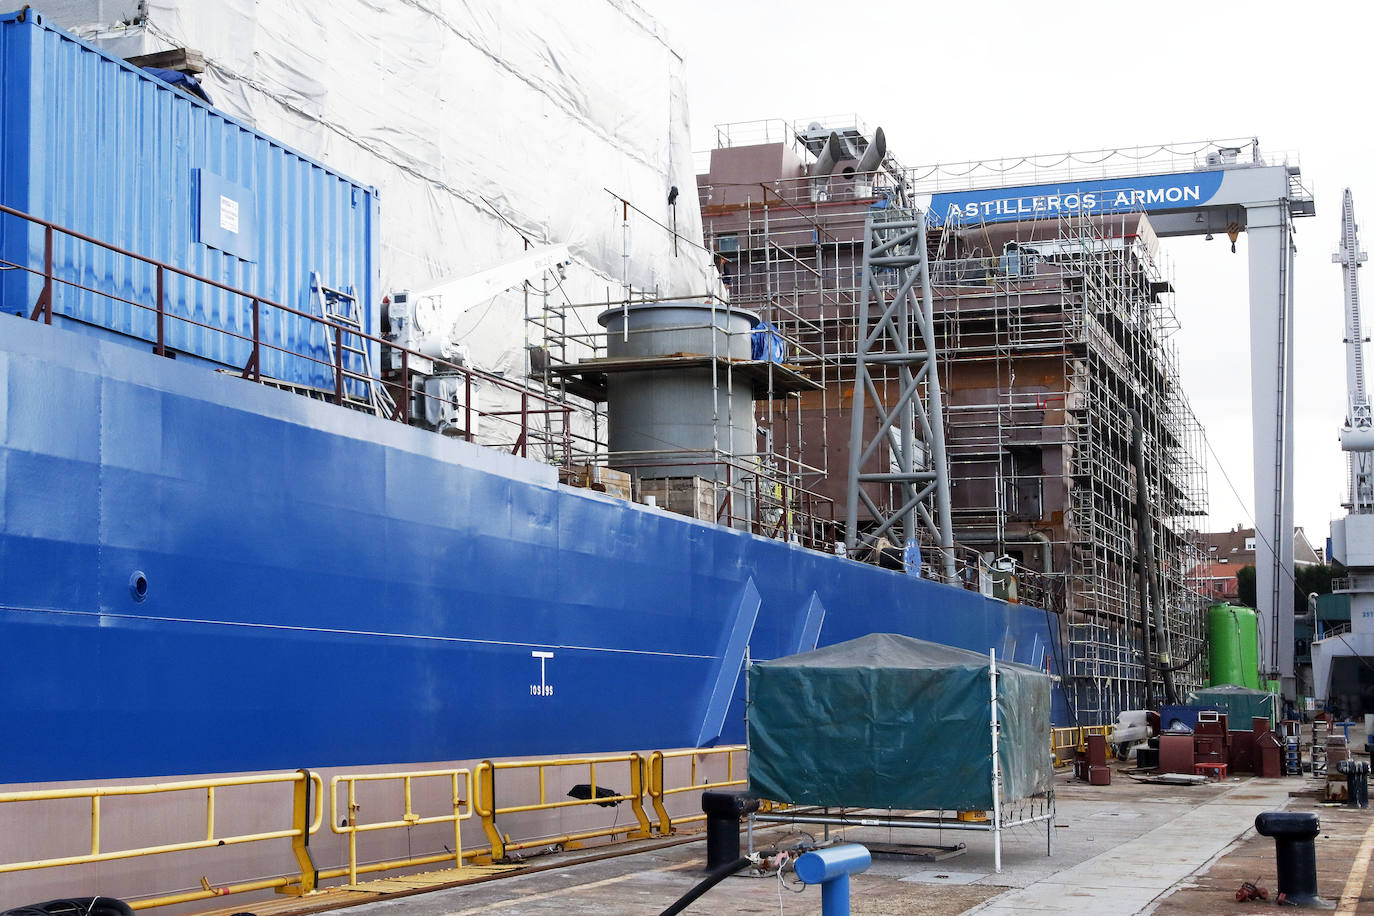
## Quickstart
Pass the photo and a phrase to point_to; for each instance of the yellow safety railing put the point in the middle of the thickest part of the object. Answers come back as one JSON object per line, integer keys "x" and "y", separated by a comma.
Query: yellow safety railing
{"x": 472, "y": 792}
{"x": 1104, "y": 730}
{"x": 302, "y": 825}
{"x": 461, "y": 809}
{"x": 658, "y": 791}
{"x": 488, "y": 808}
{"x": 1065, "y": 741}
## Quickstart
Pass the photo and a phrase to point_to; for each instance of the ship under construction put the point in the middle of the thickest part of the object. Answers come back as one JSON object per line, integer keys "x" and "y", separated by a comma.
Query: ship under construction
{"x": 1053, "y": 339}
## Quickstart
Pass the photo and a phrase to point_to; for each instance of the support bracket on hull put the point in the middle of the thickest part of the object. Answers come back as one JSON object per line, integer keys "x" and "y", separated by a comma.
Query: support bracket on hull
{"x": 722, "y": 689}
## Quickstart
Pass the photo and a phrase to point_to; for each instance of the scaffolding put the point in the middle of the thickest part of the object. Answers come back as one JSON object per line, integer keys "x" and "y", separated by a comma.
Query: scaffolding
{"x": 1048, "y": 333}
{"x": 1052, "y": 332}
{"x": 751, "y": 475}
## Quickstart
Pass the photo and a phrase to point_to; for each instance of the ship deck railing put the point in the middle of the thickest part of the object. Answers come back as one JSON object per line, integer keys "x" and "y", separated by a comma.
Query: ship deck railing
{"x": 530, "y": 423}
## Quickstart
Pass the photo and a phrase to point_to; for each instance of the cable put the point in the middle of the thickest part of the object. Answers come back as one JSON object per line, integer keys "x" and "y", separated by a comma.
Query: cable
{"x": 1054, "y": 652}
{"x": 719, "y": 874}
{"x": 1287, "y": 571}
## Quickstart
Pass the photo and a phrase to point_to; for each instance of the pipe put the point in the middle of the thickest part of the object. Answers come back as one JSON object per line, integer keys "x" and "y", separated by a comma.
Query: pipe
{"x": 831, "y": 868}
{"x": 1146, "y": 537}
{"x": 873, "y": 156}
{"x": 844, "y": 820}
{"x": 1046, "y": 550}
{"x": 829, "y": 157}
{"x": 1146, "y": 641}
{"x": 705, "y": 884}
{"x": 1032, "y": 537}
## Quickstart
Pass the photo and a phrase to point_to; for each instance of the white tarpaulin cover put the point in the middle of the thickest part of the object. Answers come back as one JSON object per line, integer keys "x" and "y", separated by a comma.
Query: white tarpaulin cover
{"x": 453, "y": 109}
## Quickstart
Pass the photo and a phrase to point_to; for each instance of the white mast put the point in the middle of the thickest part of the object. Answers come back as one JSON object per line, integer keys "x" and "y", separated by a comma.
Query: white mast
{"x": 1357, "y": 436}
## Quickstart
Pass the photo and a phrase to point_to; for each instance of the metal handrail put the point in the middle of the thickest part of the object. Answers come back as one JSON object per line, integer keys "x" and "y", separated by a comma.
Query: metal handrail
{"x": 487, "y": 807}
{"x": 461, "y": 782}
{"x": 647, "y": 778}
{"x": 1353, "y": 584}
{"x": 96, "y": 793}
{"x": 1074, "y": 738}
{"x": 43, "y": 308}
{"x": 658, "y": 791}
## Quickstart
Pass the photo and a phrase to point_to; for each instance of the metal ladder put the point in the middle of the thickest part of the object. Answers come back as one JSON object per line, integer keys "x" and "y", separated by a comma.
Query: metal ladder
{"x": 1320, "y": 732}
{"x": 361, "y": 389}
{"x": 1292, "y": 756}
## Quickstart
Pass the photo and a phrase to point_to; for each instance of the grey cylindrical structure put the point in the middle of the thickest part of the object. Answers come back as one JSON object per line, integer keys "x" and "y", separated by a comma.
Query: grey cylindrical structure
{"x": 666, "y": 421}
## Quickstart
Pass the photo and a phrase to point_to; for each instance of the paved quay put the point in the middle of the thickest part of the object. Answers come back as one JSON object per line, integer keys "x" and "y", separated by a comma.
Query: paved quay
{"x": 1124, "y": 848}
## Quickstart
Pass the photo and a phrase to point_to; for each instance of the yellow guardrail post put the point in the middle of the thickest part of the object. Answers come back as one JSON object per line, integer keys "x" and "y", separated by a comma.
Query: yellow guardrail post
{"x": 659, "y": 790}
{"x": 484, "y": 803}
{"x": 637, "y": 798}
{"x": 665, "y": 823}
{"x": 300, "y": 838}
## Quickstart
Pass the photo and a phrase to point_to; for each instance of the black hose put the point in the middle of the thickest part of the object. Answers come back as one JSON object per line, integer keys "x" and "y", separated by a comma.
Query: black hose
{"x": 705, "y": 884}
{"x": 75, "y": 906}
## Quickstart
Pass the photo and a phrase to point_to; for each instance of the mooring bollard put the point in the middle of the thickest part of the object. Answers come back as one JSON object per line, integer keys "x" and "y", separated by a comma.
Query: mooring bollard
{"x": 1294, "y": 833}
{"x": 723, "y": 809}
{"x": 1356, "y": 782}
{"x": 831, "y": 868}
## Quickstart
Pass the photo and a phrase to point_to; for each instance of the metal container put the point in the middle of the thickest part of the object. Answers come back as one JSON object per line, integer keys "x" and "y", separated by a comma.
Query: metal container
{"x": 98, "y": 146}
{"x": 1233, "y": 645}
{"x": 669, "y": 419}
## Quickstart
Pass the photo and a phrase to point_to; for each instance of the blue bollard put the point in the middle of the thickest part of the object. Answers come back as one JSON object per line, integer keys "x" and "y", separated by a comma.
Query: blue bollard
{"x": 831, "y": 868}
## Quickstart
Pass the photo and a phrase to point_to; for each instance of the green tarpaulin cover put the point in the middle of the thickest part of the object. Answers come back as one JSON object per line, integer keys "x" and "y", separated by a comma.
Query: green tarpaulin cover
{"x": 1241, "y": 704}
{"x": 887, "y": 721}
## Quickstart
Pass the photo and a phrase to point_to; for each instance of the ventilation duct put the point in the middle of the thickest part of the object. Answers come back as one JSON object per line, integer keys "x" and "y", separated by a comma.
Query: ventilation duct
{"x": 829, "y": 157}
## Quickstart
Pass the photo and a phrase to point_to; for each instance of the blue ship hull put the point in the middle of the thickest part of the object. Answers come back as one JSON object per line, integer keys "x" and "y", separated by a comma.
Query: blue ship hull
{"x": 326, "y": 588}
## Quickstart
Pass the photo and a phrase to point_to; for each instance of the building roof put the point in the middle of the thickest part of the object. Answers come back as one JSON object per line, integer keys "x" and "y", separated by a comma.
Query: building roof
{"x": 1236, "y": 547}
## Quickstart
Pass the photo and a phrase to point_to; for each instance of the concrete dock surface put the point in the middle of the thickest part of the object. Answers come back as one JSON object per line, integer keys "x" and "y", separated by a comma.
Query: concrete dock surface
{"x": 1124, "y": 848}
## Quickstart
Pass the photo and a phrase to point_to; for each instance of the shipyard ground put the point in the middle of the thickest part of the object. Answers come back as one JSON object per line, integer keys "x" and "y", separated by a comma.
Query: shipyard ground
{"x": 1124, "y": 848}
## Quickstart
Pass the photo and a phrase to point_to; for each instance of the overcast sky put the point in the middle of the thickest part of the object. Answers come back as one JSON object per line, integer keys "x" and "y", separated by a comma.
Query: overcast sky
{"x": 964, "y": 81}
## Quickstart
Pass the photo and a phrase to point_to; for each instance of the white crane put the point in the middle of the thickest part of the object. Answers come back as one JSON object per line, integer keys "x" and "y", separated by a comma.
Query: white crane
{"x": 1352, "y": 537}
{"x": 1357, "y": 436}
{"x": 422, "y": 319}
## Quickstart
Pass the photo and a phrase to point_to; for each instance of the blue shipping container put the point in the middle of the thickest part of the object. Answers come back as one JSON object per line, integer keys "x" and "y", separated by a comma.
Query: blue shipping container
{"x": 98, "y": 146}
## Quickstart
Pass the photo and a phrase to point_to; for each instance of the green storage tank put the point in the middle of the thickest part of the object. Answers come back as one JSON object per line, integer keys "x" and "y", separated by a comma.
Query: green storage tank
{"x": 1233, "y": 645}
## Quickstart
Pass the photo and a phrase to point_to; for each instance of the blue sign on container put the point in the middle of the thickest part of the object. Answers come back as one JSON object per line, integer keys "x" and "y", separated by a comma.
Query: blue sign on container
{"x": 227, "y": 215}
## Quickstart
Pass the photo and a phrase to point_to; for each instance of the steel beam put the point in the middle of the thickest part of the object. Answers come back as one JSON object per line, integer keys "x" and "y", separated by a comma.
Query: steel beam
{"x": 1269, "y": 227}
{"x": 901, "y": 338}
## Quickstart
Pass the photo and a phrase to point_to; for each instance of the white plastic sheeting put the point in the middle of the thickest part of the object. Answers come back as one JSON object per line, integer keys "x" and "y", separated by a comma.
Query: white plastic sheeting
{"x": 459, "y": 110}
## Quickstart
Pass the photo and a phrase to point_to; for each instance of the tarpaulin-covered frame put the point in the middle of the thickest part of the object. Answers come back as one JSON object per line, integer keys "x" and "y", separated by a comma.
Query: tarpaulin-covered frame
{"x": 886, "y": 721}
{"x": 1242, "y": 704}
